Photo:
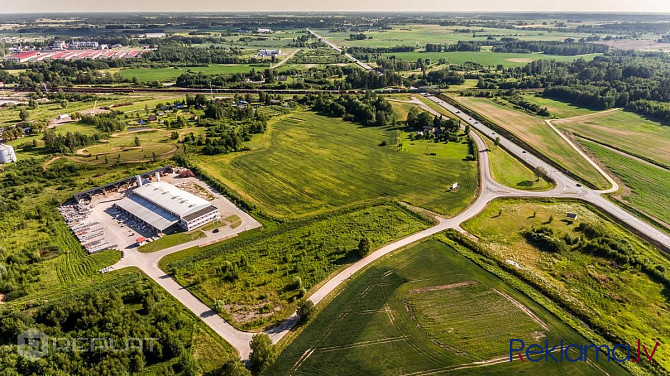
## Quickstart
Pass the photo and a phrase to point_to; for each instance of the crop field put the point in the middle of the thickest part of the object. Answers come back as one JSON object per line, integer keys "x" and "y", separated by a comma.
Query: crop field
{"x": 486, "y": 58}
{"x": 616, "y": 296}
{"x": 426, "y": 310}
{"x": 509, "y": 171}
{"x": 411, "y": 35}
{"x": 625, "y": 131}
{"x": 538, "y": 134}
{"x": 648, "y": 184}
{"x": 308, "y": 163}
{"x": 260, "y": 280}
{"x": 557, "y": 109}
{"x": 171, "y": 74}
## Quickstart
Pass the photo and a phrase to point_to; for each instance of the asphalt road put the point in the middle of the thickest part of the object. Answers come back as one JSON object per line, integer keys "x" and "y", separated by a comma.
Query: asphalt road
{"x": 489, "y": 190}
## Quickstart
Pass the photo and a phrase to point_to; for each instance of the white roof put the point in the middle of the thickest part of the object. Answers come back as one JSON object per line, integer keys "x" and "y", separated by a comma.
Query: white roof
{"x": 148, "y": 212}
{"x": 171, "y": 198}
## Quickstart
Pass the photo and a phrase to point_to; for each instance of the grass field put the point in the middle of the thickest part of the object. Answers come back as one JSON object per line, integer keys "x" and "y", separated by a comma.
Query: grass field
{"x": 426, "y": 310}
{"x": 411, "y": 35}
{"x": 557, "y": 109}
{"x": 509, "y": 171}
{"x": 620, "y": 298}
{"x": 648, "y": 184}
{"x": 486, "y": 58}
{"x": 259, "y": 279}
{"x": 623, "y": 130}
{"x": 535, "y": 132}
{"x": 171, "y": 73}
{"x": 307, "y": 163}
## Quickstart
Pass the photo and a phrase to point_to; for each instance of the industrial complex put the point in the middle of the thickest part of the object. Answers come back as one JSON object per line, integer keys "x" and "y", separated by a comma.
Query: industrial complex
{"x": 161, "y": 205}
{"x": 147, "y": 207}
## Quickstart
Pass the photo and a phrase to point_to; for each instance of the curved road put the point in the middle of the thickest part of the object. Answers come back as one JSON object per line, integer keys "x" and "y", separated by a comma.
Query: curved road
{"x": 489, "y": 190}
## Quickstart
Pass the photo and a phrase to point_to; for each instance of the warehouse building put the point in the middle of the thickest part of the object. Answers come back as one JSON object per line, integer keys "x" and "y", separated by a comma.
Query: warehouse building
{"x": 7, "y": 154}
{"x": 161, "y": 205}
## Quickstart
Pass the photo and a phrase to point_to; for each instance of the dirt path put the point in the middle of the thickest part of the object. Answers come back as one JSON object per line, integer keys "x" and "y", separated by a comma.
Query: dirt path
{"x": 614, "y": 185}
{"x": 287, "y": 58}
{"x": 524, "y": 309}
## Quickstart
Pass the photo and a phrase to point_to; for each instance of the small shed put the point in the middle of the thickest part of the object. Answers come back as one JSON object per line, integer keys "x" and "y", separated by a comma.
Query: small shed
{"x": 454, "y": 187}
{"x": 141, "y": 240}
{"x": 571, "y": 216}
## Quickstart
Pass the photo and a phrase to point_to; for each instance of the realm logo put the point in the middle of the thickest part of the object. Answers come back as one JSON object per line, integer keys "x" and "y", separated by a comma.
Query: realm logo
{"x": 33, "y": 344}
{"x": 577, "y": 353}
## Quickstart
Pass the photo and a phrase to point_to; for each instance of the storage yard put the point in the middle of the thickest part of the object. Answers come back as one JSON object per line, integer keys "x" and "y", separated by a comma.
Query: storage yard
{"x": 143, "y": 208}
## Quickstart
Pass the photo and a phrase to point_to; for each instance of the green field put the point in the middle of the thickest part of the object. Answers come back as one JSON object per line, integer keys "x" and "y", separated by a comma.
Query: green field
{"x": 616, "y": 297}
{"x": 557, "y": 109}
{"x": 509, "y": 171}
{"x": 486, "y": 58}
{"x": 308, "y": 163}
{"x": 426, "y": 310}
{"x": 535, "y": 132}
{"x": 411, "y": 35}
{"x": 171, "y": 74}
{"x": 648, "y": 185}
{"x": 259, "y": 279}
{"x": 625, "y": 131}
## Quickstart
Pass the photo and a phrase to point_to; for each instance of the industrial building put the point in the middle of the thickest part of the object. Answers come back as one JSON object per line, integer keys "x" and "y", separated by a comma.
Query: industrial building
{"x": 161, "y": 205}
{"x": 7, "y": 154}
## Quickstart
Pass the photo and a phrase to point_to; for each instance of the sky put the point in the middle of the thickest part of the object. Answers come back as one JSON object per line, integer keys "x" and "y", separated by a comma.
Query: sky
{"x": 68, "y": 6}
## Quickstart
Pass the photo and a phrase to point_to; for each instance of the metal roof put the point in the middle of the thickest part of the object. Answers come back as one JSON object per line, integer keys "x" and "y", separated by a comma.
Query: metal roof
{"x": 170, "y": 198}
{"x": 152, "y": 214}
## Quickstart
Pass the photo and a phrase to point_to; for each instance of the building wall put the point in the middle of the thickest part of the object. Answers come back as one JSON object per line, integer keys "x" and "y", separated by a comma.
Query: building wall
{"x": 202, "y": 220}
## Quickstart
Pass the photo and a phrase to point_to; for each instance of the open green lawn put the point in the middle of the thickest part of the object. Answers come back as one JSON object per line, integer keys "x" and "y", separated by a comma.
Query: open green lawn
{"x": 427, "y": 310}
{"x": 648, "y": 185}
{"x": 308, "y": 163}
{"x": 509, "y": 171}
{"x": 486, "y": 58}
{"x": 557, "y": 109}
{"x": 260, "y": 278}
{"x": 625, "y": 131}
{"x": 618, "y": 298}
{"x": 171, "y": 73}
{"x": 535, "y": 132}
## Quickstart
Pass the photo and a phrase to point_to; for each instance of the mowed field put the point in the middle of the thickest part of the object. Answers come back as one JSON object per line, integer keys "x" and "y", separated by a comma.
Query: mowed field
{"x": 427, "y": 310}
{"x": 557, "y": 109}
{"x": 486, "y": 58}
{"x": 623, "y": 130}
{"x": 535, "y": 132}
{"x": 308, "y": 163}
{"x": 411, "y": 35}
{"x": 509, "y": 171}
{"x": 615, "y": 296}
{"x": 648, "y": 184}
{"x": 171, "y": 73}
